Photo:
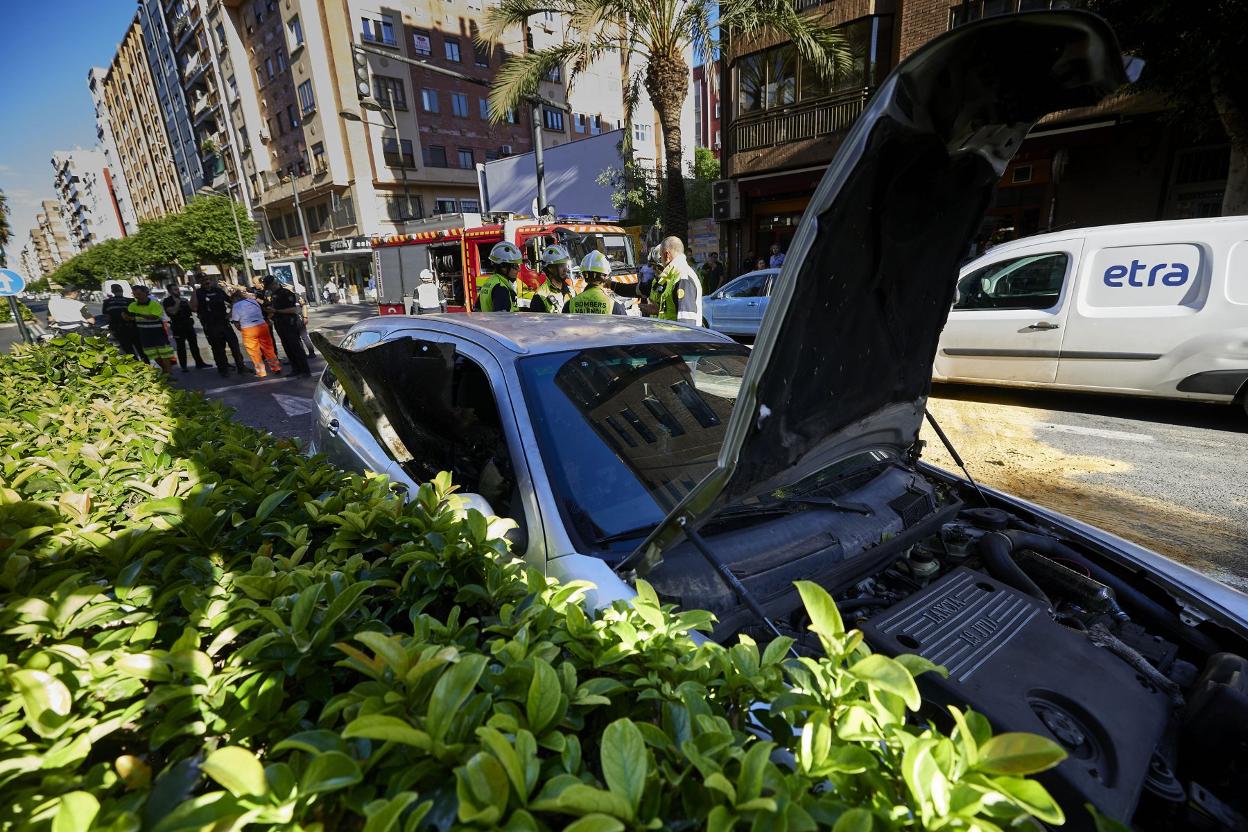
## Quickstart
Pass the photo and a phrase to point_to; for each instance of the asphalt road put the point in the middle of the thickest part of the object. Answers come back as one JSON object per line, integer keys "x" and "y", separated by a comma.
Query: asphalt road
{"x": 1167, "y": 475}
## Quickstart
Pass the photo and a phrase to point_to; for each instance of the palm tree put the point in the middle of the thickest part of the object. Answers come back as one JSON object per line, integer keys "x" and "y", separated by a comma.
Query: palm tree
{"x": 650, "y": 39}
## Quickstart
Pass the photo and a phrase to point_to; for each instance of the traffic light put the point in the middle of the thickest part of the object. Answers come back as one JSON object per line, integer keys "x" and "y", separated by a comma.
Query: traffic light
{"x": 363, "y": 87}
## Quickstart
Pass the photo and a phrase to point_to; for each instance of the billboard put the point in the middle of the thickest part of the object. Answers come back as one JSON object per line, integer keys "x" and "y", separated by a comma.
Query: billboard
{"x": 572, "y": 171}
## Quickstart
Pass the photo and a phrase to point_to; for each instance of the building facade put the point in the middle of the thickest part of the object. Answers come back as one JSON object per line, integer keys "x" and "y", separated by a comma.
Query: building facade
{"x": 84, "y": 186}
{"x": 28, "y": 257}
{"x": 108, "y": 146}
{"x": 50, "y": 238}
{"x": 167, "y": 76}
{"x": 706, "y": 105}
{"x": 132, "y": 107}
{"x": 1121, "y": 161}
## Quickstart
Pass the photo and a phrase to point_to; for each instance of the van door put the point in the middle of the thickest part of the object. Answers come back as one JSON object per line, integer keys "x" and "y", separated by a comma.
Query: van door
{"x": 1009, "y": 317}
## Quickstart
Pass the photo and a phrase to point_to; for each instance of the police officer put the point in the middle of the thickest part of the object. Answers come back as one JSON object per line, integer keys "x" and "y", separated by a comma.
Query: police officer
{"x": 212, "y": 305}
{"x": 595, "y": 300}
{"x": 497, "y": 293}
{"x": 554, "y": 294}
{"x": 286, "y": 313}
{"x": 680, "y": 289}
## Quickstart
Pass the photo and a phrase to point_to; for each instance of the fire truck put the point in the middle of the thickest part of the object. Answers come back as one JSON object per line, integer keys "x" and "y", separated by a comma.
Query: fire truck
{"x": 456, "y": 248}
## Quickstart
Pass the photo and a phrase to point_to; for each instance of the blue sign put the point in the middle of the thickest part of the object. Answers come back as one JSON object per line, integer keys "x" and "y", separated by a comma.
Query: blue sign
{"x": 11, "y": 283}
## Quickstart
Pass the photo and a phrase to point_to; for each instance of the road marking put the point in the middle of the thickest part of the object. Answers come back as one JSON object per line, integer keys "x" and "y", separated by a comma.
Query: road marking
{"x": 1126, "y": 436}
{"x": 294, "y": 405}
{"x": 227, "y": 388}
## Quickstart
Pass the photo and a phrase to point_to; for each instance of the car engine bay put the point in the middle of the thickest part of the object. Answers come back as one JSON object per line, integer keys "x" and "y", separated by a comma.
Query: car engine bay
{"x": 1038, "y": 632}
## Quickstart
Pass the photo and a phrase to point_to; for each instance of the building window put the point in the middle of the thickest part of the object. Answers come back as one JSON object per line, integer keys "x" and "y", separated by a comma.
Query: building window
{"x": 294, "y": 30}
{"x": 391, "y": 147}
{"x": 291, "y": 118}
{"x": 552, "y": 119}
{"x": 421, "y": 44}
{"x": 445, "y": 205}
{"x": 717, "y": 108}
{"x": 491, "y": 155}
{"x": 511, "y": 117}
{"x": 435, "y": 156}
{"x": 451, "y": 45}
{"x": 257, "y": 8}
{"x": 232, "y": 83}
{"x": 578, "y": 122}
{"x": 220, "y": 33}
{"x": 459, "y": 104}
{"x": 429, "y": 100}
{"x": 378, "y": 29}
{"x": 469, "y": 206}
{"x": 319, "y": 162}
{"x": 641, "y": 132}
{"x": 970, "y": 10}
{"x": 281, "y": 61}
{"x": 268, "y": 67}
{"x": 390, "y": 91}
{"x": 402, "y": 207}
{"x": 595, "y": 126}
{"x": 485, "y": 108}
{"x": 307, "y": 101}
{"x": 466, "y": 159}
{"x": 480, "y": 56}
{"x": 555, "y": 73}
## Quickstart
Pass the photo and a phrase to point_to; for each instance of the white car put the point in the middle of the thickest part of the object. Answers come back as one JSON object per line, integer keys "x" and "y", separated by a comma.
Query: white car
{"x": 1148, "y": 309}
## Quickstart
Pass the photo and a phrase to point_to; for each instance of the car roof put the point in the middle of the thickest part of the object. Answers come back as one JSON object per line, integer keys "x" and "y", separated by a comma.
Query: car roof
{"x": 528, "y": 333}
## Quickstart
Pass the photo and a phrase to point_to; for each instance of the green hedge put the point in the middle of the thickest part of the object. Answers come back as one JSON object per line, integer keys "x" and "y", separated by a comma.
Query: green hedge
{"x": 200, "y": 628}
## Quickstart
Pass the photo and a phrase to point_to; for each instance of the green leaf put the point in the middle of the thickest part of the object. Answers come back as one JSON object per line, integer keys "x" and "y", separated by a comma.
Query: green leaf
{"x": 313, "y": 742}
{"x": 542, "y": 705}
{"x": 238, "y": 770}
{"x": 753, "y": 767}
{"x": 386, "y": 817}
{"x": 304, "y": 607}
{"x": 595, "y": 823}
{"x": 328, "y": 772}
{"x": 580, "y": 799}
{"x": 1018, "y": 753}
{"x": 270, "y": 503}
{"x": 387, "y": 729}
{"x": 453, "y": 687}
{"x": 887, "y": 674}
{"x": 481, "y": 786}
{"x": 825, "y": 619}
{"x": 1032, "y": 797}
{"x": 387, "y": 649}
{"x": 625, "y": 763}
{"x": 1104, "y": 823}
{"x": 855, "y": 820}
{"x": 75, "y": 812}
{"x": 45, "y": 699}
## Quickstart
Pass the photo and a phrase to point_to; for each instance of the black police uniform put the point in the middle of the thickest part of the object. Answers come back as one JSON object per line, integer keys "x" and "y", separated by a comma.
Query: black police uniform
{"x": 213, "y": 307}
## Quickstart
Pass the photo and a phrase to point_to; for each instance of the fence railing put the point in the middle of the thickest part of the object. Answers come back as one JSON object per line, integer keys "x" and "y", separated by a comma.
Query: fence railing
{"x": 800, "y": 121}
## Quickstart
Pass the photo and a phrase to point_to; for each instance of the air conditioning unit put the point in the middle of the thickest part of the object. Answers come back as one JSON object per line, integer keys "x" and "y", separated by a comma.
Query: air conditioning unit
{"x": 725, "y": 200}
{"x": 263, "y": 132}
{"x": 505, "y": 150}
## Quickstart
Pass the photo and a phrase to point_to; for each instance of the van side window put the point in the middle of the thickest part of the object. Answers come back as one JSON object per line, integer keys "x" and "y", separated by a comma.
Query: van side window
{"x": 1031, "y": 282}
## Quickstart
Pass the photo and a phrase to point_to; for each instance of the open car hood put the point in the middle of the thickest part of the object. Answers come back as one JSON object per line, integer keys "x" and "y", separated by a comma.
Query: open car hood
{"x": 843, "y": 360}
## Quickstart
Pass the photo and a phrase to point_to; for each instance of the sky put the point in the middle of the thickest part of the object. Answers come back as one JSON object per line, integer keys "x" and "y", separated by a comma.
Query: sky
{"x": 44, "y": 101}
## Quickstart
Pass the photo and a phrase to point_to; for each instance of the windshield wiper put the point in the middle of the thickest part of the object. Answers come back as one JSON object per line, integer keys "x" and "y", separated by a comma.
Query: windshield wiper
{"x": 788, "y": 505}
{"x": 627, "y": 534}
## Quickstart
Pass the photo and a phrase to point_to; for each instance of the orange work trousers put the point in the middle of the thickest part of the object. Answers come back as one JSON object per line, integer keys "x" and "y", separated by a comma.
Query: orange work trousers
{"x": 258, "y": 342}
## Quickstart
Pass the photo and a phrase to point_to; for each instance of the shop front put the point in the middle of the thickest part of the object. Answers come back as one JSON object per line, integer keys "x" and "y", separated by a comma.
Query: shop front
{"x": 348, "y": 263}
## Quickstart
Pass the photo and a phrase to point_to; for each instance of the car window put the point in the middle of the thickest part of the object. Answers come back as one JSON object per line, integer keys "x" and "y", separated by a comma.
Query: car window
{"x": 1031, "y": 282}
{"x": 749, "y": 286}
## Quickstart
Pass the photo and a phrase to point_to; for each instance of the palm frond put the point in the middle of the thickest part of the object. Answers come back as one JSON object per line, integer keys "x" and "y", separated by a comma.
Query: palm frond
{"x": 516, "y": 13}
{"x": 826, "y": 50}
{"x": 520, "y": 77}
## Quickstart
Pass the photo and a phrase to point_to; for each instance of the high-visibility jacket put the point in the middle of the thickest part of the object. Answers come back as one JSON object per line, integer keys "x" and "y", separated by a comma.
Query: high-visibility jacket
{"x": 549, "y": 299}
{"x": 595, "y": 301}
{"x": 680, "y": 297}
{"x": 486, "y": 288}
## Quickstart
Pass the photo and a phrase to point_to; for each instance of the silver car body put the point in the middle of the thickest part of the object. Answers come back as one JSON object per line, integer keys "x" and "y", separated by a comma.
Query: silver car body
{"x": 737, "y": 307}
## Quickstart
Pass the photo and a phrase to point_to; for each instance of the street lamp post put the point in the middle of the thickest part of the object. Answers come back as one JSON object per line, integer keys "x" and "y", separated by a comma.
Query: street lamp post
{"x": 307, "y": 247}
{"x": 238, "y": 229}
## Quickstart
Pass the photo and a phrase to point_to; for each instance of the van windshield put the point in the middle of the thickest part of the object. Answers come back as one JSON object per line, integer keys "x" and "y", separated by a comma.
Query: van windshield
{"x": 617, "y": 247}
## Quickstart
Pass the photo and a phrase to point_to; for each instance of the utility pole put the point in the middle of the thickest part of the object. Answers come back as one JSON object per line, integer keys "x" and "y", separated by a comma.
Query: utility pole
{"x": 307, "y": 247}
{"x": 535, "y": 115}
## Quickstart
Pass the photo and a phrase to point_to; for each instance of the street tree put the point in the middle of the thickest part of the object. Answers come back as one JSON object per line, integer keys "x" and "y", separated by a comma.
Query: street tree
{"x": 1194, "y": 55}
{"x": 650, "y": 39}
{"x": 210, "y": 232}
{"x": 5, "y": 229}
{"x": 703, "y": 171}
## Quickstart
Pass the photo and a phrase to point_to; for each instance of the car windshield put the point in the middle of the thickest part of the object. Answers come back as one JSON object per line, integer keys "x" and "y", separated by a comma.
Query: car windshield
{"x": 617, "y": 247}
{"x": 626, "y": 432}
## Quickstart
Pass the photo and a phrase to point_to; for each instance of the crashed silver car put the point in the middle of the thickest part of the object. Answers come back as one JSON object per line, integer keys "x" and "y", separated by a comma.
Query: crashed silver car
{"x": 648, "y": 449}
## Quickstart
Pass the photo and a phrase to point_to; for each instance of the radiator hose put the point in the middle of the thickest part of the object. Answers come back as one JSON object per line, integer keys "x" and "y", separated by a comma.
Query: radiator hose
{"x": 996, "y": 550}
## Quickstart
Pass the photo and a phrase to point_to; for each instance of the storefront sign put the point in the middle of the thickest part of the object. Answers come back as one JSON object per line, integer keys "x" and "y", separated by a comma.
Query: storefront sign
{"x": 360, "y": 244}
{"x": 257, "y": 260}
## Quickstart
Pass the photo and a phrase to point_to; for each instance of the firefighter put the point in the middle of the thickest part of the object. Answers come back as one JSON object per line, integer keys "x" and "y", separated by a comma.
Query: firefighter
{"x": 497, "y": 292}
{"x": 595, "y": 299}
{"x": 554, "y": 294}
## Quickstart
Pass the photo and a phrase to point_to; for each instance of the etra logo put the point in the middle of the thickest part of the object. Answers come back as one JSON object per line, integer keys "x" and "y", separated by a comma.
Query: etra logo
{"x": 1141, "y": 274}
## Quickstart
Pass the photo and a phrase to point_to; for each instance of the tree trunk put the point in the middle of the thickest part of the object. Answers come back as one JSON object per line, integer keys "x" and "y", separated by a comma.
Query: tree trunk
{"x": 667, "y": 82}
{"x": 1234, "y": 119}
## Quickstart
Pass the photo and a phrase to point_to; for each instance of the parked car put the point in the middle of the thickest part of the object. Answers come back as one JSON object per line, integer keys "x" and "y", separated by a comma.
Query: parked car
{"x": 1147, "y": 309}
{"x": 737, "y": 307}
{"x": 627, "y": 448}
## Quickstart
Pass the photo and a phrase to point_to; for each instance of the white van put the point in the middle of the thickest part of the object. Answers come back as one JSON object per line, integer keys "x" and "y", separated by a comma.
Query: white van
{"x": 1147, "y": 309}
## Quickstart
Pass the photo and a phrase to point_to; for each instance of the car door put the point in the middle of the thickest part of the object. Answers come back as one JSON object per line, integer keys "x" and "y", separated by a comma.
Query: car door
{"x": 341, "y": 434}
{"x": 737, "y": 305}
{"x": 1009, "y": 317}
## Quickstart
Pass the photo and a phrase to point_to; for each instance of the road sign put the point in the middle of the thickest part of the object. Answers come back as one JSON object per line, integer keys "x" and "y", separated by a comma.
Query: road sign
{"x": 11, "y": 283}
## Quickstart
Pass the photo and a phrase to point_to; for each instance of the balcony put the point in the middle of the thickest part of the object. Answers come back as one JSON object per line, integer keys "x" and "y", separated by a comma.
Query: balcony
{"x": 808, "y": 120}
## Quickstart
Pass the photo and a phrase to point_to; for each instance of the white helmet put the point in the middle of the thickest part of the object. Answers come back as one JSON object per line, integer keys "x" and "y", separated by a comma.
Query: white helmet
{"x": 426, "y": 275}
{"x": 506, "y": 254}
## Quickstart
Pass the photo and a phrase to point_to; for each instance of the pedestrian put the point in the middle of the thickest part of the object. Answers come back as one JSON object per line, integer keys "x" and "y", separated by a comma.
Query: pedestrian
{"x": 67, "y": 313}
{"x": 681, "y": 299}
{"x": 331, "y": 290}
{"x": 650, "y": 296}
{"x": 211, "y": 303}
{"x": 260, "y": 293}
{"x": 149, "y": 321}
{"x": 428, "y": 298}
{"x": 595, "y": 300}
{"x": 777, "y": 256}
{"x": 712, "y": 273}
{"x": 286, "y": 314}
{"x": 497, "y": 292}
{"x": 248, "y": 318}
{"x": 122, "y": 330}
{"x": 555, "y": 292}
{"x": 182, "y": 324}
{"x": 372, "y": 288}
{"x": 760, "y": 264}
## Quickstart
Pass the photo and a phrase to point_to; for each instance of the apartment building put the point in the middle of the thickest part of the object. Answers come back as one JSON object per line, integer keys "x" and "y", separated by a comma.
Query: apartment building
{"x": 84, "y": 186}
{"x": 167, "y": 80}
{"x": 108, "y": 146}
{"x": 1120, "y": 161}
{"x": 133, "y": 112}
{"x": 28, "y": 258}
{"x": 706, "y": 105}
{"x": 50, "y": 238}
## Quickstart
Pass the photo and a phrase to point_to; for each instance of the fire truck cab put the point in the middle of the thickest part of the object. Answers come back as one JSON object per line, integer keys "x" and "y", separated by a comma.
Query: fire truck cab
{"x": 456, "y": 248}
